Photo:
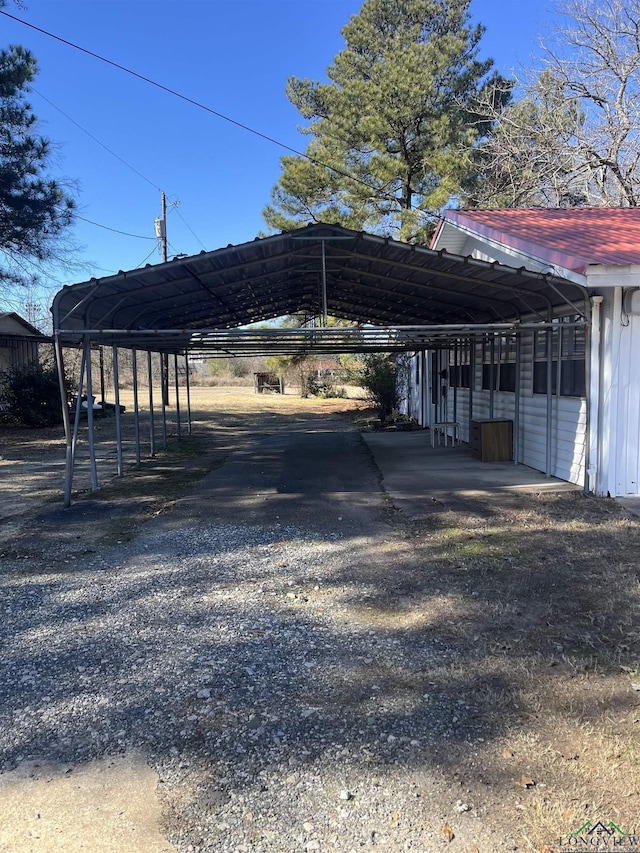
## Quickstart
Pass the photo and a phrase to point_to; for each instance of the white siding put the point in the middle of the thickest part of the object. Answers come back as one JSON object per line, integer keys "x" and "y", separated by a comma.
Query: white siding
{"x": 403, "y": 383}
{"x": 625, "y": 409}
{"x": 568, "y": 420}
{"x": 416, "y": 383}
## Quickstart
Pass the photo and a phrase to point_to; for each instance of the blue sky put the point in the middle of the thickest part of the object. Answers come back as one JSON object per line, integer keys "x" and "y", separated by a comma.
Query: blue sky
{"x": 234, "y": 56}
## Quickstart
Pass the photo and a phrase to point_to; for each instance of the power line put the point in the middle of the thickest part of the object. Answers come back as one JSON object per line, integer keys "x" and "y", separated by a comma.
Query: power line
{"x": 115, "y": 230}
{"x": 95, "y": 139}
{"x": 189, "y": 227}
{"x": 425, "y": 214}
{"x": 145, "y": 259}
{"x": 117, "y": 156}
{"x": 195, "y": 103}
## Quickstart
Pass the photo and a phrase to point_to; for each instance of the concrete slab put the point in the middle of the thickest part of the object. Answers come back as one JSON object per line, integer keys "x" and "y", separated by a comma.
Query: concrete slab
{"x": 416, "y": 476}
{"x": 631, "y": 503}
{"x": 108, "y": 805}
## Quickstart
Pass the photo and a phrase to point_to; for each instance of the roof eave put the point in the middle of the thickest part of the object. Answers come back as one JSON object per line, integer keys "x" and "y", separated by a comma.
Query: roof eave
{"x": 561, "y": 264}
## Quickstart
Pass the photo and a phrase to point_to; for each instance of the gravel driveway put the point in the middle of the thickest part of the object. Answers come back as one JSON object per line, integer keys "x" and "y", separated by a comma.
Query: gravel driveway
{"x": 229, "y": 643}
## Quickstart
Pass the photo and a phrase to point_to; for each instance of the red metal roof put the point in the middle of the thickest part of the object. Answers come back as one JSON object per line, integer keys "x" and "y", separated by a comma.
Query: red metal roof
{"x": 572, "y": 238}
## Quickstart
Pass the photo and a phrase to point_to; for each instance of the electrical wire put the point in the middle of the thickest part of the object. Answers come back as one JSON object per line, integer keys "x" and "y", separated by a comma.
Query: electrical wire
{"x": 95, "y": 139}
{"x": 195, "y": 103}
{"x": 425, "y": 214}
{"x": 118, "y": 157}
{"x": 145, "y": 259}
{"x": 189, "y": 227}
{"x": 115, "y": 230}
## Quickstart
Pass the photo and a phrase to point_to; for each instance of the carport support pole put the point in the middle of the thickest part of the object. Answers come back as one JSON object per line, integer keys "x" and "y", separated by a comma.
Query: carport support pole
{"x": 163, "y": 382}
{"x": 152, "y": 432}
{"x": 101, "y": 354}
{"x": 472, "y": 380}
{"x": 516, "y": 403}
{"x": 424, "y": 388}
{"x": 76, "y": 419}
{"x": 136, "y": 409}
{"x": 559, "y": 365}
{"x": 92, "y": 445}
{"x": 592, "y": 336}
{"x": 66, "y": 420}
{"x": 177, "y": 381}
{"x": 186, "y": 368}
{"x": 116, "y": 393}
{"x": 324, "y": 285}
{"x": 164, "y": 371}
{"x": 492, "y": 375}
{"x": 455, "y": 387}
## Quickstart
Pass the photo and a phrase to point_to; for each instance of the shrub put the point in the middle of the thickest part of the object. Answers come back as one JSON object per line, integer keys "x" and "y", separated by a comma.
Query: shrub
{"x": 30, "y": 396}
{"x": 378, "y": 376}
{"x": 314, "y": 386}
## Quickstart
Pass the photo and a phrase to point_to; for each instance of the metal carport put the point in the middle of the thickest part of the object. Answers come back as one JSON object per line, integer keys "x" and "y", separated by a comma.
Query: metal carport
{"x": 403, "y": 298}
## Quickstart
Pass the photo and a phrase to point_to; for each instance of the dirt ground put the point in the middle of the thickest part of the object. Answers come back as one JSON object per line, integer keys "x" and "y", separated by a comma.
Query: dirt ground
{"x": 542, "y": 590}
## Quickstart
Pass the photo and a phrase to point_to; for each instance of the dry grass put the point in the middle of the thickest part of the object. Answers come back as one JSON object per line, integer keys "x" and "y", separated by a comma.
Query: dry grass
{"x": 541, "y": 596}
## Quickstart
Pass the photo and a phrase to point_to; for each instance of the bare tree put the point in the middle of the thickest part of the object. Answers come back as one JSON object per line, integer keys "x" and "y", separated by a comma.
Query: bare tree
{"x": 574, "y": 137}
{"x": 531, "y": 158}
{"x": 597, "y": 62}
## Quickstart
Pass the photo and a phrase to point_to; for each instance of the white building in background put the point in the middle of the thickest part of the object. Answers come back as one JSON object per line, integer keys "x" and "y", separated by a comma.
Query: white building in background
{"x": 587, "y": 428}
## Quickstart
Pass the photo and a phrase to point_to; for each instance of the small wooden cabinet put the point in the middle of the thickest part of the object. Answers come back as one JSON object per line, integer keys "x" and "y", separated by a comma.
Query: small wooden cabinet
{"x": 492, "y": 440}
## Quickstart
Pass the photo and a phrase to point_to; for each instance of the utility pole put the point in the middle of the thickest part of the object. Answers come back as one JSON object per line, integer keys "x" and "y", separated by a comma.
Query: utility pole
{"x": 161, "y": 228}
{"x": 161, "y": 234}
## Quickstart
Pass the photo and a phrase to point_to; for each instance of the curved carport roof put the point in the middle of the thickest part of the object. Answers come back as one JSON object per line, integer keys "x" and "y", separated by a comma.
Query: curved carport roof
{"x": 403, "y": 297}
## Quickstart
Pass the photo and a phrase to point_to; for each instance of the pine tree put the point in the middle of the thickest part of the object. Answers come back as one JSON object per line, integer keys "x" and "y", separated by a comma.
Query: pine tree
{"x": 34, "y": 209}
{"x": 394, "y": 124}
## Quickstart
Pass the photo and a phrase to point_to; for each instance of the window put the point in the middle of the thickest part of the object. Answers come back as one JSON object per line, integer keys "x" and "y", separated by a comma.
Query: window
{"x": 499, "y": 370}
{"x": 460, "y": 373}
{"x": 569, "y": 341}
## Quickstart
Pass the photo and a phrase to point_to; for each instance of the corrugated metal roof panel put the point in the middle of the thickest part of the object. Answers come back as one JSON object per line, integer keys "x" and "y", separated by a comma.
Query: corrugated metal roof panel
{"x": 571, "y": 238}
{"x": 369, "y": 279}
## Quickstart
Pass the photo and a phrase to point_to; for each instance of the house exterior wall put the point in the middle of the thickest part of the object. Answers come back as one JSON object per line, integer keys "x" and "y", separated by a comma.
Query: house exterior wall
{"x": 618, "y": 452}
{"x": 10, "y": 325}
{"x": 16, "y": 350}
{"x": 627, "y": 415}
{"x": 613, "y": 389}
{"x": 568, "y": 420}
{"x": 16, "y": 353}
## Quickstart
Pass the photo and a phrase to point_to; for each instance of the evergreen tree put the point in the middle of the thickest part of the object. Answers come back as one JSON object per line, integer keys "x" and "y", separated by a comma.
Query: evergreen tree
{"x": 34, "y": 209}
{"x": 395, "y": 123}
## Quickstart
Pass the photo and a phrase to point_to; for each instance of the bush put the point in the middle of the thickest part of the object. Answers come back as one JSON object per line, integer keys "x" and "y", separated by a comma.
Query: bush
{"x": 378, "y": 377}
{"x": 30, "y": 396}
{"x": 313, "y": 386}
